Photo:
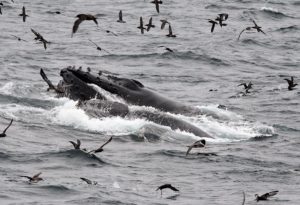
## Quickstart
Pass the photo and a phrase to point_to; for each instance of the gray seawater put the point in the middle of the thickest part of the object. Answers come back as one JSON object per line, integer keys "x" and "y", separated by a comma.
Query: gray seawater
{"x": 256, "y": 145}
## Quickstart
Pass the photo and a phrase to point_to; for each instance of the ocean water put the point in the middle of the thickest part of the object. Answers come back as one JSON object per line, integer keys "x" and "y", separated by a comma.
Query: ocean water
{"x": 256, "y": 138}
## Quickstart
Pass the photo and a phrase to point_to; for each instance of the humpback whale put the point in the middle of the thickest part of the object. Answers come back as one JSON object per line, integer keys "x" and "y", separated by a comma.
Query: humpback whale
{"x": 80, "y": 86}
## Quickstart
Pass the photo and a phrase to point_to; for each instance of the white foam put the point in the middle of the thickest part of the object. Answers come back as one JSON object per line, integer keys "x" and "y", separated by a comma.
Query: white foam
{"x": 68, "y": 114}
{"x": 269, "y": 9}
{"x": 7, "y": 88}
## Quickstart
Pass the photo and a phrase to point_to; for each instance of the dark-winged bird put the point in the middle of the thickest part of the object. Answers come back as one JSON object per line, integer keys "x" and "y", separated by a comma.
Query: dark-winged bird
{"x": 36, "y": 178}
{"x": 166, "y": 186}
{"x": 258, "y": 28}
{"x": 246, "y": 86}
{"x": 81, "y": 18}
{"x": 291, "y": 83}
{"x": 88, "y": 181}
{"x": 100, "y": 149}
{"x": 121, "y": 17}
{"x": 3, "y": 134}
{"x": 213, "y": 24}
{"x": 39, "y": 37}
{"x": 222, "y": 17}
{"x": 23, "y": 14}
{"x": 197, "y": 144}
{"x": 149, "y": 25}
{"x": 141, "y": 26}
{"x": 171, "y": 32}
{"x": 157, "y": 2}
{"x": 265, "y": 196}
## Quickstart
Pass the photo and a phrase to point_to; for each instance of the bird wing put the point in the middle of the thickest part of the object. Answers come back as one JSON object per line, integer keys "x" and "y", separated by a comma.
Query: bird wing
{"x": 272, "y": 193}
{"x": 73, "y": 143}
{"x": 108, "y": 141}
{"x": 288, "y": 80}
{"x": 37, "y": 175}
{"x": 95, "y": 20}
{"x": 254, "y": 23}
{"x": 212, "y": 27}
{"x": 157, "y": 7}
{"x": 78, "y": 143}
{"x": 150, "y": 21}
{"x": 30, "y": 178}
{"x": 141, "y": 22}
{"x": 8, "y": 126}
{"x": 45, "y": 44}
{"x": 93, "y": 42}
{"x": 163, "y": 24}
{"x": 241, "y": 33}
{"x": 189, "y": 149}
{"x": 120, "y": 16}
{"x": 23, "y": 11}
{"x": 86, "y": 180}
{"x": 42, "y": 73}
{"x": 262, "y": 31}
{"x": 244, "y": 198}
{"x": 36, "y": 33}
{"x": 24, "y": 18}
{"x": 173, "y": 188}
{"x": 170, "y": 30}
{"x": 76, "y": 25}
{"x": 292, "y": 79}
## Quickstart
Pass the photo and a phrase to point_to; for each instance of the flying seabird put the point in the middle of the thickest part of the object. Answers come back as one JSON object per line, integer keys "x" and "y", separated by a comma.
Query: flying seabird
{"x": 76, "y": 145}
{"x": 222, "y": 17}
{"x": 98, "y": 47}
{"x": 163, "y": 23}
{"x": 157, "y": 2}
{"x": 197, "y": 144}
{"x": 247, "y": 86}
{"x": 213, "y": 24}
{"x": 258, "y": 28}
{"x": 291, "y": 83}
{"x": 265, "y": 196}
{"x": 35, "y": 178}
{"x": 81, "y": 18}
{"x": 4, "y": 131}
{"x": 19, "y": 39}
{"x": 88, "y": 181}
{"x": 121, "y": 17}
{"x": 100, "y": 149}
{"x": 170, "y": 32}
{"x": 39, "y": 37}
{"x": 149, "y": 25}
{"x": 141, "y": 26}
{"x": 23, "y": 14}
{"x": 166, "y": 186}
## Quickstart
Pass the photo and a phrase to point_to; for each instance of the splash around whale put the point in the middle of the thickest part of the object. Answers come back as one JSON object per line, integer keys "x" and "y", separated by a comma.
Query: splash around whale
{"x": 84, "y": 87}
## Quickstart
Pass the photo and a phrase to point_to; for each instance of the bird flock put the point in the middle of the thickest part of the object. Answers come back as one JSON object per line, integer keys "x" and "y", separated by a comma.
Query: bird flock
{"x": 219, "y": 20}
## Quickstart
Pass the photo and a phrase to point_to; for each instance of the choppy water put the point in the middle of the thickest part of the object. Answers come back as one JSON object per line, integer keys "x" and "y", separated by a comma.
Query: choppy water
{"x": 256, "y": 145}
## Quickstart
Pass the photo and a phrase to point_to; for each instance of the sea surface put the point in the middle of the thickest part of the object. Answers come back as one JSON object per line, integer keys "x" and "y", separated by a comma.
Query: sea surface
{"x": 256, "y": 145}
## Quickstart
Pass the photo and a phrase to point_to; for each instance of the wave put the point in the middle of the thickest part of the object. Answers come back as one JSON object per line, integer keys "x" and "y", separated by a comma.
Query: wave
{"x": 274, "y": 12}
